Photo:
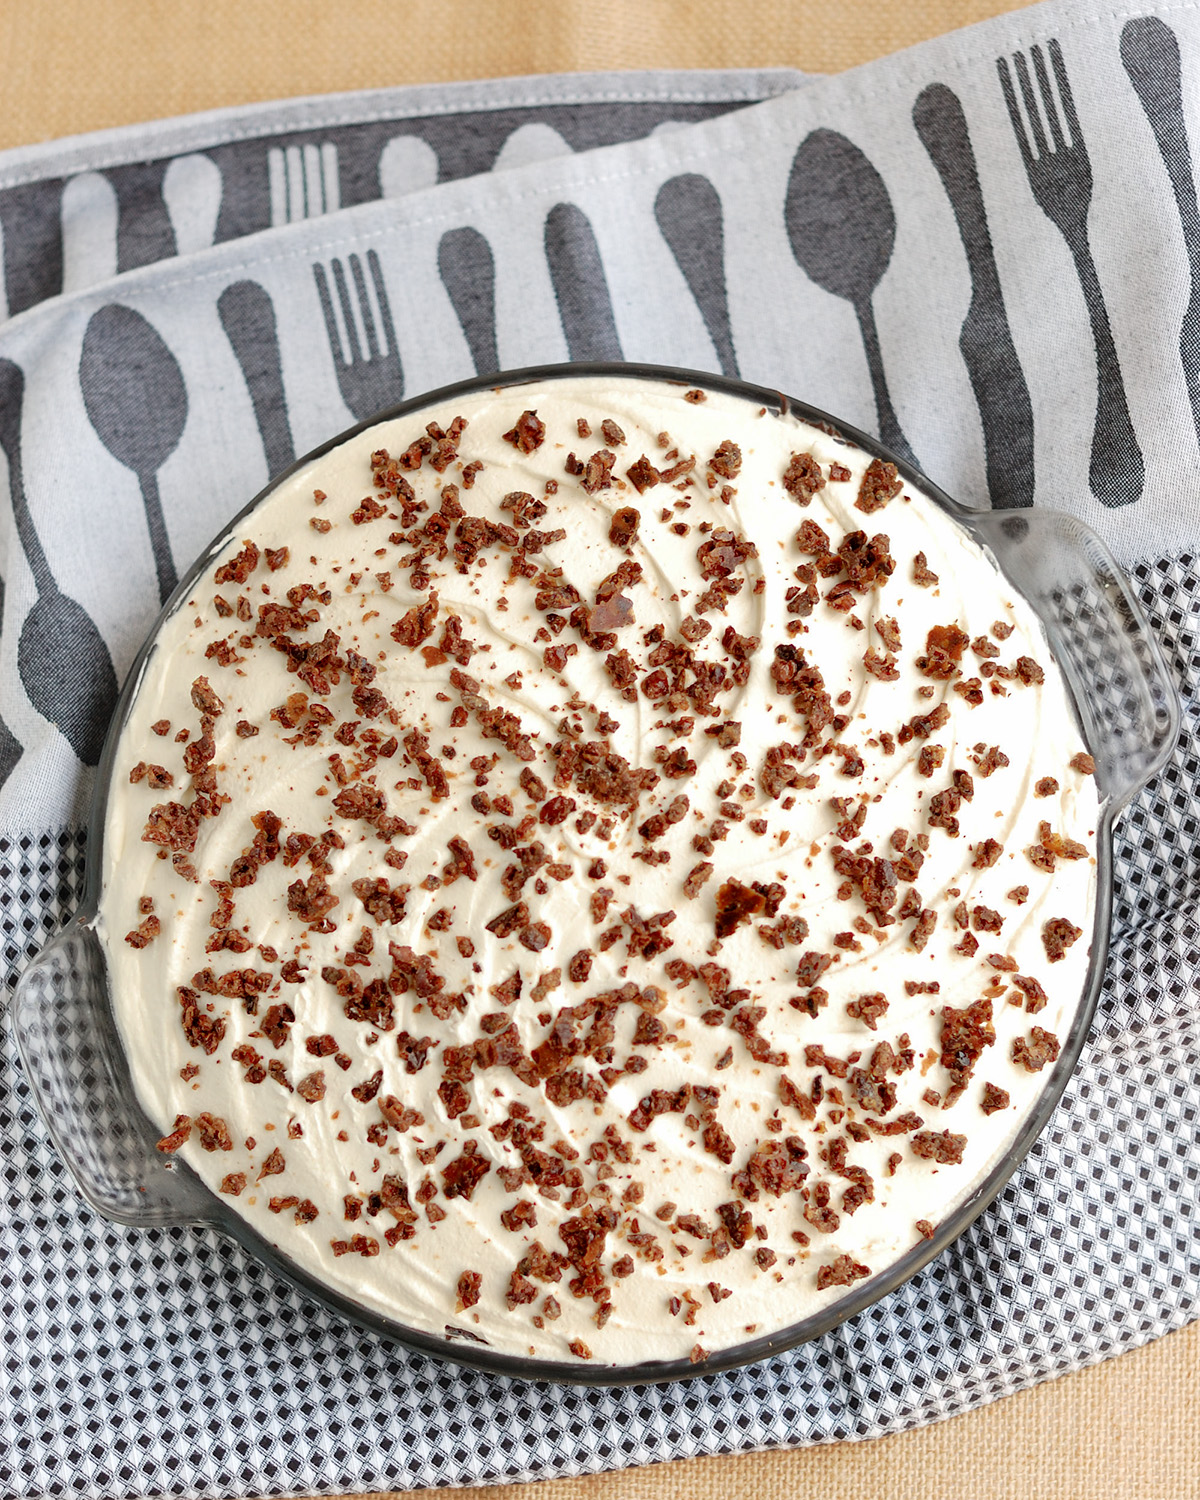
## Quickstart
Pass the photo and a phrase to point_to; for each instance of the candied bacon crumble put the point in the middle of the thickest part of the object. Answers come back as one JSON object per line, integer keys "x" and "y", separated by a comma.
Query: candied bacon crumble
{"x": 144, "y": 933}
{"x": 868, "y": 1009}
{"x": 843, "y": 1271}
{"x": 880, "y": 484}
{"x": 923, "y": 574}
{"x": 1057, "y": 936}
{"x": 994, "y": 1098}
{"x": 1033, "y": 1053}
{"x": 944, "y": 647}
{"x": 737, "y": 903}
{"x": 803, "y": 478}
{"x": 177, "y": 1137}
{"x": 528, "y": 432}
{"x": 623, "y": 529}
{"x": 940, "y": 1146}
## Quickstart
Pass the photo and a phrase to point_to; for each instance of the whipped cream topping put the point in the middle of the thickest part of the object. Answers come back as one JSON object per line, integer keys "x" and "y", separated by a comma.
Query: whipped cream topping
{"x": 597, "y": 868}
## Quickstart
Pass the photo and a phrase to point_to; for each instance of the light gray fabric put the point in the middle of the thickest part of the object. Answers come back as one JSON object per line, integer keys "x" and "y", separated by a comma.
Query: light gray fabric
{"x": 75, "y": 212}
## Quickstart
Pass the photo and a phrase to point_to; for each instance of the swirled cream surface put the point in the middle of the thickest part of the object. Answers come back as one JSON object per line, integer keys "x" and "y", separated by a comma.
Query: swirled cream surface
{"x": 597, "y": 868}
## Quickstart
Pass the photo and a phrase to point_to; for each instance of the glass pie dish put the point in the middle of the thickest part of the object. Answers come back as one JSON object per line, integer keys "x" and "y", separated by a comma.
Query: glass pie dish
{"x": 70, "y": 1041}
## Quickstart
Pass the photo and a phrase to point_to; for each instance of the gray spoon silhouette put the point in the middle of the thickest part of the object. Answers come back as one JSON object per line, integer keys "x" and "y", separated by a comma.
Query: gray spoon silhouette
{"x": 64, "y": 664}
{"x": 580, "y": 285}
{"x": 688, "y": 212}
{"x": 842, "y": 229}
{"x": 137, "y": 402}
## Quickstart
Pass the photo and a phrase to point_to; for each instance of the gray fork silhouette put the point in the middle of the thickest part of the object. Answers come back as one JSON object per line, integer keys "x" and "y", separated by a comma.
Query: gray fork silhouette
{"x": 1060, "y": 176}
{"x": 371, "y": 381}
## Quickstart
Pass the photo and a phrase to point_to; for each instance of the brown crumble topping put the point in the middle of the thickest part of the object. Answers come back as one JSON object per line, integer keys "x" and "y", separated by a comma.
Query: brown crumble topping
{"x": 527, "y": 433}
{"x": 1033, "y": 1053}
{"x": 923, "y": 574}
{"x": 1057, "y": 936}
{"x": 841, "y": 1272}
{"x": 880, "y": 484}
{"x": 994, "y": 1098}
{"x": 803, "y": 478}
{"x": 939, "y": 1146}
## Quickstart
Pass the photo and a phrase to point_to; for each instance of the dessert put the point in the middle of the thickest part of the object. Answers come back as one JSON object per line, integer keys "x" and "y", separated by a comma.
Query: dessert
{"x": 597, "y": 867}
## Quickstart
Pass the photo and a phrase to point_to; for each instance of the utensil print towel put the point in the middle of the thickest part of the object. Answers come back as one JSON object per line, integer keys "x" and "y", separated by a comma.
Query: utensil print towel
{"x": 136, "y": 401}
{"x": 689, "y": 216}
{"x": 958, "y": 305}
{"x": 1151, "y": 54}
{"x": 908, "y": 277}
{"x": 248, "y": 318}
{"x": 64, "y": 209}
{"x": 842, "y": 230}
{"x": 985, "y": 338}
{"x": 73, "y": 213}
{"x": 1060, "y": 177}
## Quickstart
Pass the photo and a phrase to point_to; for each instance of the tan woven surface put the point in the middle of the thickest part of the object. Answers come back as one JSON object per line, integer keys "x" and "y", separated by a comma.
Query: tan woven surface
{"x": 1122, "y": 1431}
{"x": 1126, "y": 1430}
{"x": 75, "y": 65}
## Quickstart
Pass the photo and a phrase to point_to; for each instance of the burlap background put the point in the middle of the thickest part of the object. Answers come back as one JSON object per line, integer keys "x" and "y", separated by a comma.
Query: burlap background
{"x": 1122, "y": 1430}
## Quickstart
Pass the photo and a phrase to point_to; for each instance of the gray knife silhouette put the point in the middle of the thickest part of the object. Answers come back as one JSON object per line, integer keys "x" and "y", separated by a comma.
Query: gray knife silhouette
{"x": 11, "y": 751}
{"x": 144, "y": 232}
{"x": 11, "y": 748}
{"x": 248, "y": 317}
{"x": 985, "y": 338}
{"x": 688, "y": 211}
{"x": 136, "y": 400}
{"x": 31, "y": 231}
{"x": 584, "y": 304}
{"x": 1150, "y": 52}
{"x": 468, "y": 273}
{"x": 64, "y": 663}
{"x": 842, "y": 230}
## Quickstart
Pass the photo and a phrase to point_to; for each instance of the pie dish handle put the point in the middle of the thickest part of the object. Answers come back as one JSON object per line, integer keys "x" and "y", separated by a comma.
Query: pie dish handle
{"x": 1101, "y": 638}
{"x": 70, "y": 1049}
